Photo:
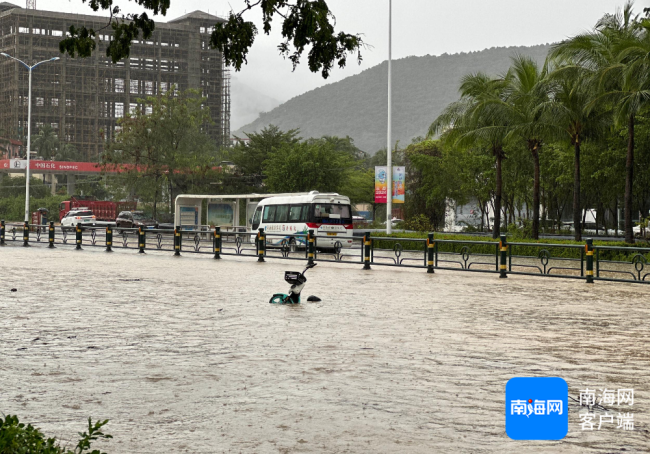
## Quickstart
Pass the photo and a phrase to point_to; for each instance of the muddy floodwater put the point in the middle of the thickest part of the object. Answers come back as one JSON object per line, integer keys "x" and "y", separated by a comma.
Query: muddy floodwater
{"x": 186, "y": 355}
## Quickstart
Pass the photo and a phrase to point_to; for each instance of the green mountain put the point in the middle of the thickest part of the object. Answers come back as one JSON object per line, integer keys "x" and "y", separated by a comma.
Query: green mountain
{"x": 357, "y": 106}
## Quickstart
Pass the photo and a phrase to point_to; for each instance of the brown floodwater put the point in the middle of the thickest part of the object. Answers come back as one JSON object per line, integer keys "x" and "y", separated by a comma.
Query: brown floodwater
{"x": 186, "y": 355}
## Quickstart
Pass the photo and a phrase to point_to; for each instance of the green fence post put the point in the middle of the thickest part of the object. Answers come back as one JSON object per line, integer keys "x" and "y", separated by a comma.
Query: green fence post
{"x": 310, "y": 247}
{"x": 217, "y": 242}
{"x": 78, "y": 235}
{"x": 261, "y": 243}
{"x": 109, "y": 239}
{"x": 26, "y": 234}
{"x": 589, "y": 249}
{"x": 430, "y": 246}
{"x": 503, "y": 247}
{"x": 177, "y": 241}
{"x": 51, "y": 234}
{"x": 366, "y": 251}
{"x": 2, "y": 233}
{"x": 142, "y": 239}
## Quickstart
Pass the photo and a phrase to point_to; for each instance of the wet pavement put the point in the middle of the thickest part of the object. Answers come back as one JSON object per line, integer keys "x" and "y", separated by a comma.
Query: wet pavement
{"x": 186, "y": 355}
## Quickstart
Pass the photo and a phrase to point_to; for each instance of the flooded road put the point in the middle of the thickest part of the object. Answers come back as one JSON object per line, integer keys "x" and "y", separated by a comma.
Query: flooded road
{"x": 186, "y": 355}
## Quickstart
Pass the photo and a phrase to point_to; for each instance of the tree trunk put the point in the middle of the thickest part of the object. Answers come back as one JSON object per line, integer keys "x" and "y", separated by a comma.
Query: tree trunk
{"x": 497, "y": 196}
{"x": 629, "y": 175}
{"x": 535, "y": 153}
{"x": 576, "y": 190}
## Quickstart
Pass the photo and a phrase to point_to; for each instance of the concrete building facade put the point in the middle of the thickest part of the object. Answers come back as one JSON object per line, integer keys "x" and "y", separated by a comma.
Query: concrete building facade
{"x": 82, "y": 99}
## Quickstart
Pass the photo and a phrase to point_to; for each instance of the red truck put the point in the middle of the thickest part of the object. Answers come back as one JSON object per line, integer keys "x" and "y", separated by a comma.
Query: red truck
{"x": 103, "y": 210}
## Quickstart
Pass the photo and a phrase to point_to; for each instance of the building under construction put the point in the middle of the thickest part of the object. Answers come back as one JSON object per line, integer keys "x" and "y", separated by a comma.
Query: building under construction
{"x": 82, "y": 99}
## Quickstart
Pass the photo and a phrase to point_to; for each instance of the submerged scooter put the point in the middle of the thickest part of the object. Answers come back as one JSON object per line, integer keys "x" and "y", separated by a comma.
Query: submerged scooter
{"x": 297, "y": 281}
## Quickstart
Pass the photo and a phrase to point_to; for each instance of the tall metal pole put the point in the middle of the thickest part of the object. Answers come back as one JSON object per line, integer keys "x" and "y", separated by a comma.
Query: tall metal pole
{"x": 389, "y": 147}
{"x": 29, "y": 143}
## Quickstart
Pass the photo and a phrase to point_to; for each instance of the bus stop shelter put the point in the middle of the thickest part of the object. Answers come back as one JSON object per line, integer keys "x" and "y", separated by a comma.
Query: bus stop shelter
{"x": 221, "y": 210}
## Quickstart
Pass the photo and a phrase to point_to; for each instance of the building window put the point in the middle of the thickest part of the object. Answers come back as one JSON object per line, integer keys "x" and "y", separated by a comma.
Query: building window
{"x": 119, "y": 85}
{"x": 55, "y": 102}
{"x": 57, "y": 33}
{"x": 119, "y": 110}
{"x": 148, "y": 87}
{"x": 23, "y": 30}
{"x": 133, "y": 108}
{"x": 54, "y": 125}
{"x": 134, "y": 86}
{"x": 40, "y": 102}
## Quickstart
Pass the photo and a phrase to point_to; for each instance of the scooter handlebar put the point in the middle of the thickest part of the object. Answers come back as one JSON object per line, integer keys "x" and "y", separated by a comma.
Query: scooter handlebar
{"x": 311, "y": 265}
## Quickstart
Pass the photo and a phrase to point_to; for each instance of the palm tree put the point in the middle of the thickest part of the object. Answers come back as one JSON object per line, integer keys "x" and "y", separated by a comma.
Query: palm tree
{"x": 45, "y": 142}
{"x": 616, "y": 53}
{"x": 471, "y": 121}
{"x": 523, "y": 107}
{"x": 570, "y": 111}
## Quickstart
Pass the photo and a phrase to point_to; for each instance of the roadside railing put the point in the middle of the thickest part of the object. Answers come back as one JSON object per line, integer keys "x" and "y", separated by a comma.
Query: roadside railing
{"x": 586, "y": 262}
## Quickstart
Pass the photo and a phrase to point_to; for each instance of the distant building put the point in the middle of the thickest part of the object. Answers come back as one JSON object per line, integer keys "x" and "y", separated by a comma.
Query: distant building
{"x": 10, "y": 148}
{"x": 83, "y": 98}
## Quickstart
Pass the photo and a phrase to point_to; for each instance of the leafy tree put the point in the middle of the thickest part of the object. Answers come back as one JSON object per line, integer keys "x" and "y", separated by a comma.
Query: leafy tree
{"x": 380, "y": 158}
{"x": 426, "y": 182}
{"x": 359, "y": 186}
{"x": 249, "y": 157}
{"x": 305, "y": 23}
{"x": 164, "y": 148}
{"x": 312, "y": 165}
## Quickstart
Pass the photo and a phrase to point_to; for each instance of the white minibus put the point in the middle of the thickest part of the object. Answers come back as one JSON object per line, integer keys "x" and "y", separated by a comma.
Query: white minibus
{"x": 328, "y": 214}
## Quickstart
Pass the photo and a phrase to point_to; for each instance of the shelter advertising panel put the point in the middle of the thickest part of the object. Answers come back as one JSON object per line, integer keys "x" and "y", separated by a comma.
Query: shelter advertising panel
{"x": 221, "y": 214}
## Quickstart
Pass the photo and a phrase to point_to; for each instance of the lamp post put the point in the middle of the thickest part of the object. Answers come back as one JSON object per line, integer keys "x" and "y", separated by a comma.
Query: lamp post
{"x": 29, "y": 123}
{"x": 389, "y": 149}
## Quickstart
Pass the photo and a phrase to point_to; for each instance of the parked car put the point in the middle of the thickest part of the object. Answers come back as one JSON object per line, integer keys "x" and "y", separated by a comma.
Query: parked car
{"x": 134, "y": 219}
{"x": 81, "y": 215}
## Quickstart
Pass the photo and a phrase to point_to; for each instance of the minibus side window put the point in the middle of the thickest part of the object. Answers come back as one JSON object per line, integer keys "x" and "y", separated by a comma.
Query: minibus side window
{"x": 281, "y": 213}
{"x": 269, "y": 214}
{"x": 296, "y": 213}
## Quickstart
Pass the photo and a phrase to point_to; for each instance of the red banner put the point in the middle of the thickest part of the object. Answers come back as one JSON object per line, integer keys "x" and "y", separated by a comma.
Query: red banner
{"x": 19, "y": 165}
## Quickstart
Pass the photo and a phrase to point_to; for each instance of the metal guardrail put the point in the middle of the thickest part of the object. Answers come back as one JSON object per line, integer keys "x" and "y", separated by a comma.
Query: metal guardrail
{"x": 588, "y": 262}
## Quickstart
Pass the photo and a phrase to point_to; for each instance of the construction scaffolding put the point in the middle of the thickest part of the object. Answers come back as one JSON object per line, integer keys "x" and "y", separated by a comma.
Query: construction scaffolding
{"x": 82, "y": 99}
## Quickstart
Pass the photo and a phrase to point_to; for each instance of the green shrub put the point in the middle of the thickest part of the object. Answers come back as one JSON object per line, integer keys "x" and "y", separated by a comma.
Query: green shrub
{"x": 12, "y": 209}
{"x": 419, "y": 223}
{"x": 18, "y": 438}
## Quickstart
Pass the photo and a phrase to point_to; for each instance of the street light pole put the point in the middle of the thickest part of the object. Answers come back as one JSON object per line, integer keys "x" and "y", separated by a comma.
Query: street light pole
{"x": 29, "y": 144}
{"x": 29, "y": 124}
{"x": 389, "y": 148}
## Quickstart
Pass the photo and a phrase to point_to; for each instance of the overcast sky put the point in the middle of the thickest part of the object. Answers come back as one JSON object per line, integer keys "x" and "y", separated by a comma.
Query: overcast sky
{"x": 420, "y": 27}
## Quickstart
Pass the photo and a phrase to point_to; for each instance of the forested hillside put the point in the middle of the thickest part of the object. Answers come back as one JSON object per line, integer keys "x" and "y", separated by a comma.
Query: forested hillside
{"x": 357, "y": 106}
